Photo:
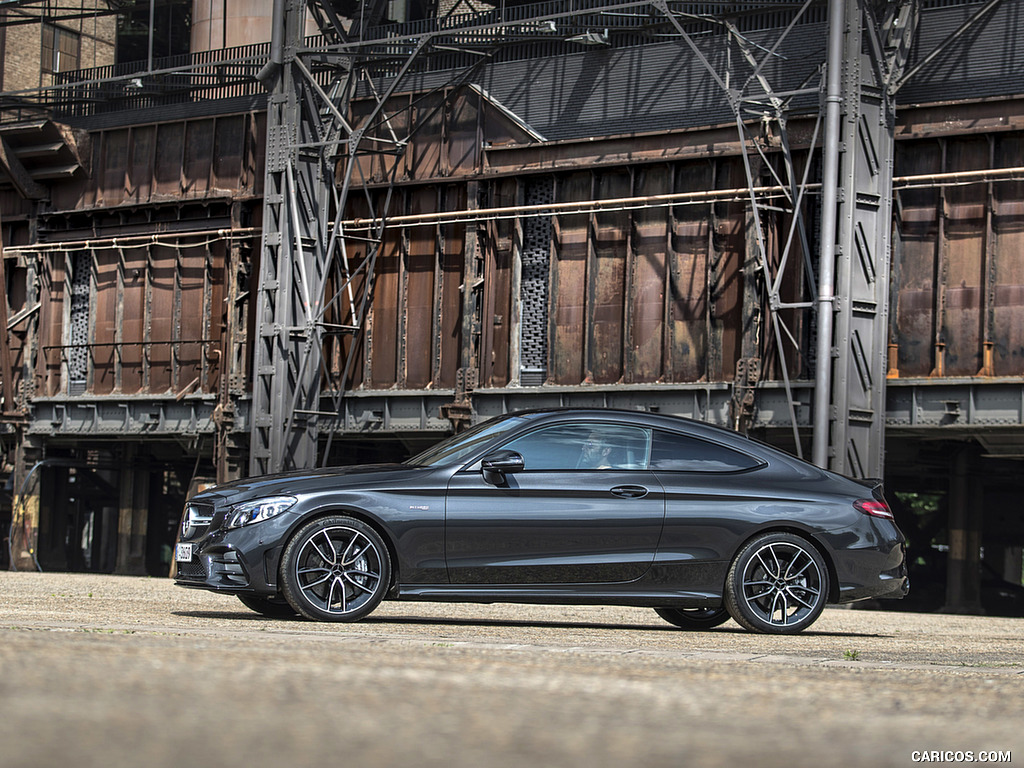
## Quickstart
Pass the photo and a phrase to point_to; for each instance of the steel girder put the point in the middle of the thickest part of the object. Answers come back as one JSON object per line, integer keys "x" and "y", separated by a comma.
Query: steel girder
{"x": 287, "y": 344}
{"x": 304, "y": 243}
{"x": 865, "y": 56}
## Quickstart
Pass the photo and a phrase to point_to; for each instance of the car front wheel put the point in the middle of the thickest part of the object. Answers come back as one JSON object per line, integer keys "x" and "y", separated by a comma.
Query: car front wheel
{"x": 335, "y": 569}
{"x": 694, "y": 618}
{"x": 778, "y": 584}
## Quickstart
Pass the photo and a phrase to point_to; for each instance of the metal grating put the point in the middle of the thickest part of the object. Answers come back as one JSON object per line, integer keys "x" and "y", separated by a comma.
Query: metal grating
{"x": 534, "y": 287}
{"x": 78, "y": 349}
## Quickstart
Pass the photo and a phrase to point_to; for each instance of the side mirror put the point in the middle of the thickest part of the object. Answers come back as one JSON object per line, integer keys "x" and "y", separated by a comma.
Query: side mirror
{"x": 500, "y": 463}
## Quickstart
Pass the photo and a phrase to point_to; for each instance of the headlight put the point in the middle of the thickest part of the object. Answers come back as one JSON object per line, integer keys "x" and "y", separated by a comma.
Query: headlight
{"x": 261, "y": 509}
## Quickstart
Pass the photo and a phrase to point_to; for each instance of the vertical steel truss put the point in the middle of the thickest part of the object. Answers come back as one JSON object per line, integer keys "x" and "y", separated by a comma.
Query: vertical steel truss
{"x": 873, "y": 54}
{"x": 304, "y": 240}
{"x": 304, "y": 246}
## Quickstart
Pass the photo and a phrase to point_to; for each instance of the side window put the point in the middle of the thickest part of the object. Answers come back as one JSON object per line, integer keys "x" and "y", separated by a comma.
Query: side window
{"x": 584, "y": 446}
{"x": 681, "y": 453}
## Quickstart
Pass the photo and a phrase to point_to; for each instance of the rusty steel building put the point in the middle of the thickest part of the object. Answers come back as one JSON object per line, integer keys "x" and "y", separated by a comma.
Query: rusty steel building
{"x": 800, "y": 219}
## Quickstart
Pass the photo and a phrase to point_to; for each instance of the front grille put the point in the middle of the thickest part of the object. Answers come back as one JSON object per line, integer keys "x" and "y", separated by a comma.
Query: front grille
{"x": 193, "y": 569}
{"x": 196, "y": 520}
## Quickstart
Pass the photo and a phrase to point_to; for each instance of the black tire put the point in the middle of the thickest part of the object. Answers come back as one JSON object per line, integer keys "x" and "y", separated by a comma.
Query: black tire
{"x": 272, "y": 609}
{"x": 335, "y": 569}
{"x": 694, "y": 618}
{"x": 778, "y": 584}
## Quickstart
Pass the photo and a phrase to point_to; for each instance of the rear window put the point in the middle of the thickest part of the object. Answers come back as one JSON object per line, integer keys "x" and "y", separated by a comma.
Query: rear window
{"x": 672, "y": 452}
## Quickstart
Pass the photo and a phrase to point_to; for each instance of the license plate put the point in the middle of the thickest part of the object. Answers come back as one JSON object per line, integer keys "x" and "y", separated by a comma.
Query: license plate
{"x": 183, "y": 553}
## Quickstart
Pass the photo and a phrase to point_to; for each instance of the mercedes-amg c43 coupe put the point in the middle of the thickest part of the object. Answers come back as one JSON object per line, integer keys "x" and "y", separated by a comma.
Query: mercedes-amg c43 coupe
{"x": 562, "y": 506}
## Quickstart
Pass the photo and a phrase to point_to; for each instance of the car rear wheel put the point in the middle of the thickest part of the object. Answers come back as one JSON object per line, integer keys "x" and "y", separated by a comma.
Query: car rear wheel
{"x": 272, "y": 609}
{"x": 778, "y": 584}
{"x": 335, "y": 569}
{"x": 694, "y": 618}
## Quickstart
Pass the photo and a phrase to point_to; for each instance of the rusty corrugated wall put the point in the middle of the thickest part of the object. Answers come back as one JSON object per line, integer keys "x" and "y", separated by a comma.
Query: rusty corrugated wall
{"x": 664, "y": 294}
{"x": 959, "y": 272}
{"x": 130, "y": 302}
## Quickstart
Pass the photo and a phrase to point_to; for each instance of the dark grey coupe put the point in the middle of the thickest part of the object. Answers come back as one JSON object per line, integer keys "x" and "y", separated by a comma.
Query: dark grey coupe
{"x": 555, "y": 506}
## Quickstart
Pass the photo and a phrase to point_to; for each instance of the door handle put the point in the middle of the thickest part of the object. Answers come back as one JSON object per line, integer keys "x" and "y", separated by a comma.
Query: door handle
{"x": 629, "y": 491}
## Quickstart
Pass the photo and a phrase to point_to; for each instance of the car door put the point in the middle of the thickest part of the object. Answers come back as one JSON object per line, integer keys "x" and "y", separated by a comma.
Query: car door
{"x": 571, "y": 515}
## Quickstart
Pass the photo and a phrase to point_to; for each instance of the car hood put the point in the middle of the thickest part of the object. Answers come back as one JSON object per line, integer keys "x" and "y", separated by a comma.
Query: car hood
{"x": 301, "y": 482}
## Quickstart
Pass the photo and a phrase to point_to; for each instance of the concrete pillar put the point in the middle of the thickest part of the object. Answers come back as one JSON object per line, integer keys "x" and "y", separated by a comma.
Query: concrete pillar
{"x": 1013, "y": 564}
{"x": 133, "y": 516}
{"x": 24, "y": 533}
{"x": 963, "y": 573}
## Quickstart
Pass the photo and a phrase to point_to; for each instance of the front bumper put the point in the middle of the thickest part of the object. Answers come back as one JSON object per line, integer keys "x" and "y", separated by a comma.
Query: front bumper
{"x": 239, "y": 560}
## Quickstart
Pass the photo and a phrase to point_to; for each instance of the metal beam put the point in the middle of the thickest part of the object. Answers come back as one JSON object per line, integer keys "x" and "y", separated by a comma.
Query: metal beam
{"x": 853, "y": 301}
{"x": 6, "y": 368}
{"x": 22, "y": 180}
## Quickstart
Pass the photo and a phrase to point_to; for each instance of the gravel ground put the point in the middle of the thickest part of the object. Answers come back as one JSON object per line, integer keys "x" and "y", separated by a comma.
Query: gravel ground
{"x": 121, "y": 671}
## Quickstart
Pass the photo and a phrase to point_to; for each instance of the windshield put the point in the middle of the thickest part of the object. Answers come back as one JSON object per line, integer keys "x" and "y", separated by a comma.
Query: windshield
{"x": 458, "y": 447}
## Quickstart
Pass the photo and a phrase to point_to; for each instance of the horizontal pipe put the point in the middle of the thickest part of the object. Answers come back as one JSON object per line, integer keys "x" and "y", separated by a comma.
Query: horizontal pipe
{"x": 738, "y": 194}
{"x": 586, "y": 206}
{"x": 136, "y": 241}
{"x": 958, "y": 177}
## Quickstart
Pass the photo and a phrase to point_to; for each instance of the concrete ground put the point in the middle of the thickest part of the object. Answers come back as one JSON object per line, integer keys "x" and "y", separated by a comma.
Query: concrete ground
{"x": 111, "y": 671}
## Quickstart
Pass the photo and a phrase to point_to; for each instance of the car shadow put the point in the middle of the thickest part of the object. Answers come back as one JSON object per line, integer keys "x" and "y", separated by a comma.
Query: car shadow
{"x": 425, "y": 621}
{"x": 471, "y": 622}
{"x": 241, "y": 615}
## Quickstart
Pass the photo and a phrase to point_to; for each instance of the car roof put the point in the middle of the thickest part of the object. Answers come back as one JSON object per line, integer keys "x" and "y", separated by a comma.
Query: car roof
{"x": 648, "y": 418}
{"x": 692, "y": 427}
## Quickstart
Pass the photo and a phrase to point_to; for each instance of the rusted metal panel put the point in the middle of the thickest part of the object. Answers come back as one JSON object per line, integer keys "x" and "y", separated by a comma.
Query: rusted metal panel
{"x": 464, "y": 138}
{"x": 162, "y": 302}
{"x": 148, "y": 163}
{"x": 943, "y": 120}
{"x": 49, "y": 368}
{"x": 193, "y": 298}
{"x": 688, "y": 285}
{"x": 256, "y": 154}
{"x": 140, "y": 171}
{"x": 426, "y": 152}
{"x": 453, "y": 269}
{"x": 133, "y": 320}
{"x": 568, "y": 325}
{"x": 229, "y": 153}
{"x": 1008, "y": 257}
{"x": 646, "y": 320}
{"x": 104, "y": 337}
{"x": 419, "y": 299}
{"x": 606, "y": 316}
{"x": 197, "y": 158}
{"x": 113, "y": 177}
{"x": 917, "y": 223}
{"x": 169, "y": 153}
{"x": 497, "y": 318}
{"x": 385, "y": 315}
{"x": 726, "y": 274}
{"x": 15, "y": 286}
{"x": 350, "y": 282}
{"x": 964, "y": 265}
{"x": 958, "y": 278}
{"x": 611, "y": 151}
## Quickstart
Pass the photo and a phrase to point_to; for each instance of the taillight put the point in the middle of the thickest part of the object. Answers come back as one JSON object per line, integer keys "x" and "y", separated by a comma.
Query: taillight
{"x": 874, "y": 508}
